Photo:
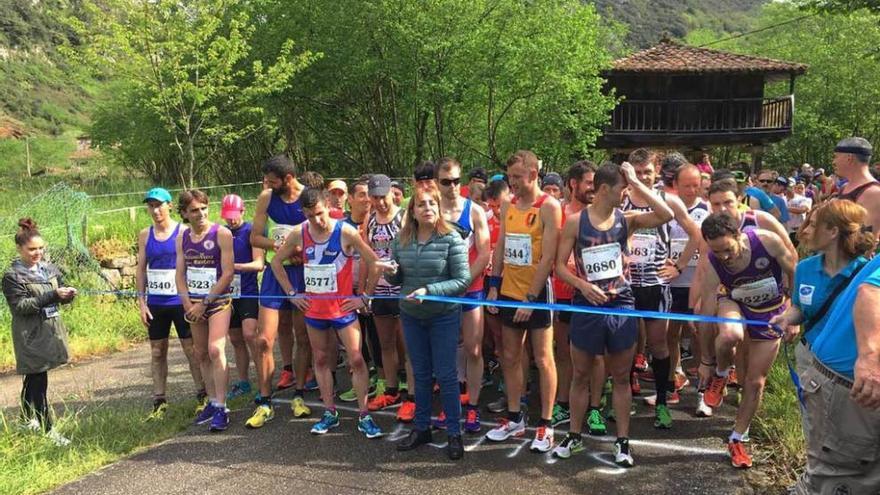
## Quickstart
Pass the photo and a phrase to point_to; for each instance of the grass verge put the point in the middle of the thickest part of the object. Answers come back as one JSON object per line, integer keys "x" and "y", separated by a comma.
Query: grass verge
{"x": 100, "y": 435}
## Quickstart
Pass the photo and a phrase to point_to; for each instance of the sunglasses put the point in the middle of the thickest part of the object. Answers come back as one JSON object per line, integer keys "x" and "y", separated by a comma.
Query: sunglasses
{"x": 450, "y": 182}
{"x": 766, "y": 181}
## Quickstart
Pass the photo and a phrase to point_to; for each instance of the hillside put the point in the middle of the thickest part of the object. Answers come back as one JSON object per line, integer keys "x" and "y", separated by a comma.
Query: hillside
{"x": 39, "y": 87}
{"x": 648, "y": 20}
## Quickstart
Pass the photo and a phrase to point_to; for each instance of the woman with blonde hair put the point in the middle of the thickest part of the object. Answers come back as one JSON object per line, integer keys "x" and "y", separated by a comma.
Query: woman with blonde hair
{"x": 430, "y": 258}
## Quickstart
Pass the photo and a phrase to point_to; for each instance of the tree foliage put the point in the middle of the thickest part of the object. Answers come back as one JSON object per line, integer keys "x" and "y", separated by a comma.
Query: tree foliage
{"x": 187, "y": 65}
{"x": 838, "y": 96}
{"x": 371, "y": 84}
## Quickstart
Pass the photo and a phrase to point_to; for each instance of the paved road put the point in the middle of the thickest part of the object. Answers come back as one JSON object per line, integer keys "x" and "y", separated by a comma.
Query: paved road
{"x": 283, "y": 456}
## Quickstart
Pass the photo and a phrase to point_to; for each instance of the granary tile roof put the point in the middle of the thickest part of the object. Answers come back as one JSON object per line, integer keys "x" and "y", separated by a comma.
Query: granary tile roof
{"x": 671, "y": 57}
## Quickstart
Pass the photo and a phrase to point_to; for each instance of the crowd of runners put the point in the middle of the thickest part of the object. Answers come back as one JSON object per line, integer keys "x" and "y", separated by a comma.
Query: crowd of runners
{"x": 343, "y": 272}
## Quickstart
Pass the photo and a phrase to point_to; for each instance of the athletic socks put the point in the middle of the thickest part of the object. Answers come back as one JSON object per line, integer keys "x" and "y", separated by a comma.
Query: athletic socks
{"x": 661, "y": 375}
{"x": 735, "y": 437}
{"x": 543, "y": 422}
{"x": 299, "y": 393}
{"x": 515, "y": 417}
{"x": 288, "y": 367}
{"x": 722, "y": 374}
{"x": 391, "y": 391}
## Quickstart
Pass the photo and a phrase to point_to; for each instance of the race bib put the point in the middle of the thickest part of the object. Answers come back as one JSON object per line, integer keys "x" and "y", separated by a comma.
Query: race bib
{"x": 200, "y": 280}
{"x": 642, "y": 248}
{"x": 518, "y": 249}
{"x": 50, "y": 312}
{"x": 320, "y": 279}
{"x": 602, "y": 262}
{"x": 676, "y": 248}
{"x": 236, "y": 286}
{"x": 161, "y": 282}
{"x": 280, "y": 232}
{"x": 756, "y": 293}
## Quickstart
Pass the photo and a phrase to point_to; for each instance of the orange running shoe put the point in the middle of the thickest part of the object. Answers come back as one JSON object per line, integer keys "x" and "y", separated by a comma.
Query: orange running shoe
{"x": 407, "y": 412}
{"x": 286, "y": 380}
{"x": 681, "y": 381}
{"x": 634, "y": 384}
{"x": 732, "y": 379}
{"x": 465, "y": 398}
{"x": 739, "y": 458}
{"x": 640, "y": 363}
{"x": 380, "y": 402}
{"x": 714, "y": 394}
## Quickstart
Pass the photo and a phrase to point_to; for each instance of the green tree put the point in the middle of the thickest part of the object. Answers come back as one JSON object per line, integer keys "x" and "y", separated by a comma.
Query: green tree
{"x": 838, "y": 96}
{"x": 189, "y": 64}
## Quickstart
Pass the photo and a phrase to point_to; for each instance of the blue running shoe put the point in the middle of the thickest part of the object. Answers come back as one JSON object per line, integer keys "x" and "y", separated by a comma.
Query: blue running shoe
{"x": 207, "y": 414}
{"x": 240, "y": 388}
{"x": 328, "y": 421}
{"x": 312, "y": 385}
{"x": 220, "y": 421}
{"x": 369, "y": 428}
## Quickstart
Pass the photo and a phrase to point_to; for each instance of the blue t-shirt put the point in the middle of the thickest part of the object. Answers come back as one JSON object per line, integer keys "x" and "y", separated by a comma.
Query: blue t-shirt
{"x": 835, "y": 344}
{"x": 763, "y": 198}
{"x": 779, "y": 202}
{"x": 813, "y": 286}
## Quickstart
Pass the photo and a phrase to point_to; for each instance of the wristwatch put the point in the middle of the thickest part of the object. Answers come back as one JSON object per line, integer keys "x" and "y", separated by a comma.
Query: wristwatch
{"x": 291, "y": 292}
{"x": 531, "y": 298}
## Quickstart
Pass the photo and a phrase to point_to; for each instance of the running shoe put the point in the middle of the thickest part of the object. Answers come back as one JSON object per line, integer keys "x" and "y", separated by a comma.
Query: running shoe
{"x": 596, "y": 423}
{"x": 206, "y": 414}
{"x": 671, "y": 399}
{"x": 634, "y": 384}
{"x": 31, "y": 426}
{"x": 299, "y": 407}
{"x": 311, "y": 385}
{"x": 732, "y": 379}
{"x": 327, "y": 422}
{"x": 472, "y": 420}
{"x": 662, "y": 418}
{"x": 746, "y": 438}
{"x": 240, "y": 388}
{"x": 640, "y": 362}
{"x": 561, "y": 415}
{"x": 571, "y": 444}
{"x": 493, "y": 365}
{"x": 507, "y": 429}
{"x": 57, "y": 438}
{"x": 369, "y": 428}
{"x": 382, "y": 401}
{"x": 377, "y": 389}
{"x": 407, "y": 412}
{"x": 703, "y": 410}
{"x": 454, "y": 448}
{"x": 349, "y": 395}
{"x": 402, "y": 385}
{"x": 158, "y": 414}
{"x": 286, "y": 380}
{"x": 648, "y": 376}
{"x": 681, "y": 381}
{"x": 686, "y": 354}
{"x": 739, "y": 458}
{"x": 220, "y": 420}
{"x": 487, "y": 379}
{"x": 714, "y": 394}
{"x": 262, "y": 414}
{"x": 201, "y": 403}
{"x": 543, "y": 441}
{"x": 623, "y": 454}
{"x": 439, "y": 423}
{"x": 498, "y": 405}
{"x": 465, "y": 398}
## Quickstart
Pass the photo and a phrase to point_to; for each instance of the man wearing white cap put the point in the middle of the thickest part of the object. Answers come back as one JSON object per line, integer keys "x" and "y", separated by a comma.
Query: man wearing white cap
{"x": 337, "y": 193}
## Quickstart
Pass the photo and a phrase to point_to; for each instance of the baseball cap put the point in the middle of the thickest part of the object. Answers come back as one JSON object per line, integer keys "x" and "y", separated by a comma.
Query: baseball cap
{"x": 337, "y": 184}
{"x": 479, "y": 173}
{"x": 552, "y": 179}
{"x": 232, "y": 207}
{"x": 158, "y": 194}
{"x": 424, "y": 171}
{"x": 379, "y": 185}
{"x": 396, "y": 185}
{"x": 782, "y": 181}
{"x": 496, "y": 177}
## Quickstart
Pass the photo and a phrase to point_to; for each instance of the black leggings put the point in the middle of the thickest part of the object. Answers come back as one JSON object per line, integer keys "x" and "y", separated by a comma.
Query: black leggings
{"x": 34, "y": 403}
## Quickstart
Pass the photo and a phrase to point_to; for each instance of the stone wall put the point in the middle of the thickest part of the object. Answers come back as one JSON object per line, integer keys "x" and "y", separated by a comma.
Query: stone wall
{"x": 120, "y": 271}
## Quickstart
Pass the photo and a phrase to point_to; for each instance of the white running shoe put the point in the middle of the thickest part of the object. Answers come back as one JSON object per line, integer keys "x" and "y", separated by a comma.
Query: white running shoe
{"x": 543, "y": 441}
{"x": 58, "y": 439}
{"x": 507, "y": 429}
{"x": 672, "y": 399}
{"x": 623, "y": 454}
{"x": 30, "y": 426}
{"x": 703, "y": 409}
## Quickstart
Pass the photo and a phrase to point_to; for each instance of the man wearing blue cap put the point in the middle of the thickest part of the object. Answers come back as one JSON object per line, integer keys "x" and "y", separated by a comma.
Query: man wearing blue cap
{"x": 852, "y": 157}
{"x": 157, "y": 297}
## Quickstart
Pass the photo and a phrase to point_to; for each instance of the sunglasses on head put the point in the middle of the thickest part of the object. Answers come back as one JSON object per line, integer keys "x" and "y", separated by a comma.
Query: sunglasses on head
{"x": 450, "y": 182}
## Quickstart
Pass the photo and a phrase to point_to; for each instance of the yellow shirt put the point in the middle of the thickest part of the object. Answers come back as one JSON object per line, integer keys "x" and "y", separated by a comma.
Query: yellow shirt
{"x": 524, "y": 233}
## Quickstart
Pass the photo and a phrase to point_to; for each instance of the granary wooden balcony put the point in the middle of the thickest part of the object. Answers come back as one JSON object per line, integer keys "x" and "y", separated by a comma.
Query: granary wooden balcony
{"x": 699, "y": 121}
